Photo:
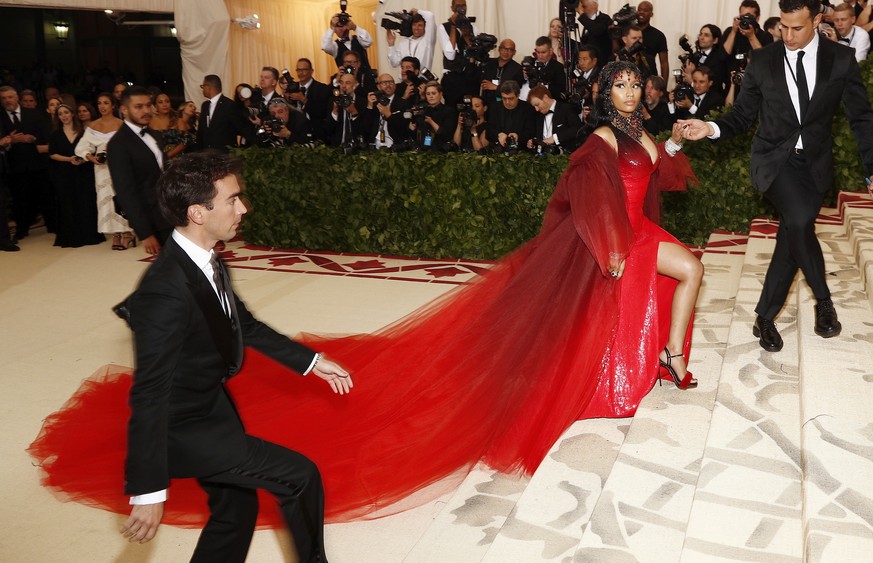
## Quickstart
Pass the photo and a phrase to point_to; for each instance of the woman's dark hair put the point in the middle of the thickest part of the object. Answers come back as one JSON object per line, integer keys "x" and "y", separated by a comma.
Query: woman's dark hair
{"x": 190, "y": 180}
{"x": 92, "y": 113}
{"x": 109, "y": 96}
{"x": 788, "y": 6}
{"x": 604, "y": 109}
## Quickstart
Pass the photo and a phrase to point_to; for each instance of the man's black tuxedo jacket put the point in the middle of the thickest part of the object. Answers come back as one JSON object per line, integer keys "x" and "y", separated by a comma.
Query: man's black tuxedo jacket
{"x": 565, "y": 124}
{"x": 554, "y": 76}
{"x": 318, "y": 106}
{"x": 183, "y": 423}
{"x": 257, "y": 101}
{"x": 492, "y": 71}
{"x": 24, "y": 157}
{"x": 360, "y": 126}
{"x": 765, "y": 96}
{"x": 227, "y": 122}
{"x": 520, "y": 120}
{"x": 397, "y": 125}
{"x": 135, "y": 173}
{"x": 712, "y": 100}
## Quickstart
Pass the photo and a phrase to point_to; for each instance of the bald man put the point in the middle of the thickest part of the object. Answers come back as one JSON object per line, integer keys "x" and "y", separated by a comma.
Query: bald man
{"x": 654, "y": 40}
{"x": 497, "y": 71}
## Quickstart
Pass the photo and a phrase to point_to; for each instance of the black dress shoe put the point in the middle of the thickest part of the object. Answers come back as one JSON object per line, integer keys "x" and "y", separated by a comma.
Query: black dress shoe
{"x": 826, "y": 323}
{"x": 8, "y": 246}
{"x": 122, "y": 312}
{"x": 768, "y": 336}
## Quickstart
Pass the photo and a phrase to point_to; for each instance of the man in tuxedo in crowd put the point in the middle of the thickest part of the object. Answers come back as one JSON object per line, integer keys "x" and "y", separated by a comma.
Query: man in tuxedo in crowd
{"x": 191, "y": 330}
{"x": 313, "y": 98}
{"x": 511, "y": 122}
{"x": 346, "y": 124}
{"x": 595, "y": 28}
{"x": 221, "y": 120}
{"x": 712, "y": 55}
{"x": 557, "y": 123}
{"x": 388, "y": 124}
{"x": 848, "y": 33}
{"x": 27, "y": 147}
{"x": 136, "y": 159}
{"x": 551, "y": 72}
{"x": 266, "y": 91}
{"x": 6, "y": 242}
{"x": 706, "y": 98}
{"x": 498, "y": 70}
{"x": 792, "y": 90}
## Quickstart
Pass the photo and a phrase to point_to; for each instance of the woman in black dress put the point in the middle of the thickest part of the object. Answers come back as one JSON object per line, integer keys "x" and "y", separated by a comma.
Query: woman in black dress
{"x": 73, "y": 179}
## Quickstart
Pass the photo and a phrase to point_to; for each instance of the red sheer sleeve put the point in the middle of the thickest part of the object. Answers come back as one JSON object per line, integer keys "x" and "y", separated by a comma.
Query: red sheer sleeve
{"x": 591, "y": 191}
{"x": 673, "y": 175}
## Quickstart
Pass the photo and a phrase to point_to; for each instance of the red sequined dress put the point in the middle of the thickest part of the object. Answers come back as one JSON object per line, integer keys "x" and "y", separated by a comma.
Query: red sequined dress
{"x": 494, "y": 371}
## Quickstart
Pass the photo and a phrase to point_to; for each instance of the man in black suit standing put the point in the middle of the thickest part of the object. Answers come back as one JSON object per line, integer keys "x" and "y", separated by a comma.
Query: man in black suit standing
{"x": 266, "y": 91}
{"x": 313, "y": 98}
{"x": 498, "y": 70}
{"x": 191, "y": 329}
{"x": 794, "y": 88}
{"x": 557, "y": 123}
{"x": 27, "y": 148}
{"x": 135, "y": 158}
{"x": 550, "y": 72}
{"x": 221, "y": 121}
{"x": 387, "y": 124}
{"x": 349, "y": 119}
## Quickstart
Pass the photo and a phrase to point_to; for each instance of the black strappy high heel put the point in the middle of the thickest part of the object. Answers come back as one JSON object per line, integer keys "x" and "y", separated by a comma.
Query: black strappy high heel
{"x": 688, "y": 382}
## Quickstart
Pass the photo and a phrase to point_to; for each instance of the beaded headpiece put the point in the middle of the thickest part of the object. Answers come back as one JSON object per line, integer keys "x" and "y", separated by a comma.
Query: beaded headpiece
{"x": 631, "y": 125}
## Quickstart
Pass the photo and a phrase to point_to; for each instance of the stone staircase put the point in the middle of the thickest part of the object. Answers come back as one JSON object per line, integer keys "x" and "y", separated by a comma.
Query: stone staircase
{"x": 769, "y": 459}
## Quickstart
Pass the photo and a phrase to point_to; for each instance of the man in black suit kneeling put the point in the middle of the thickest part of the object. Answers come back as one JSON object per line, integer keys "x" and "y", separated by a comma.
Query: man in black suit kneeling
{"x": 191, "y": 330}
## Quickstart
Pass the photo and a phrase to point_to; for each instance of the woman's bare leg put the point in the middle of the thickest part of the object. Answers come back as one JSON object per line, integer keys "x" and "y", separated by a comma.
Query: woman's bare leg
{"x": 680, "y": 264}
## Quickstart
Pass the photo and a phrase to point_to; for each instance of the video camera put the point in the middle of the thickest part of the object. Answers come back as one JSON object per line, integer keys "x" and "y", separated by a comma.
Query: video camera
{"x": 403, "y": 27}
{"x": 626, "y": 16}
{"x": 462, "y": 21}
{"x": 343, "y": 18}
{"x": 482, "y": 45}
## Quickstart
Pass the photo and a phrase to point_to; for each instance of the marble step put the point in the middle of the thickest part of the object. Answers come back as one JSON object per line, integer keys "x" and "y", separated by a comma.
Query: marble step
{"x": 643, "y": 511}
{"x": 857, "y": 211}
{"x": 747, "y": 505}
{"x": 836, "y": 393}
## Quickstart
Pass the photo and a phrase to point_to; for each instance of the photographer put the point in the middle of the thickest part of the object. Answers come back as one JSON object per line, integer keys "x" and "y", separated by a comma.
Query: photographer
{"x": 704, "y": 97}
{"x": 634, "y": 51}
{"x": 510, "y": 123}
{"x": 471, "y": 132}
{"x": 745, "y": 34}
{"x": 546, "y": 70}
{"x": 342, "y": 24}
{"x": 595, "y": 28}
{"x": 460, "y": 75}
{"x": 558, "y": 127}
{"x": 419, "y": 44}
{"x": 656, "y": 115}
{"x": 389, "y": 126}
{"x": 411, "y": 87}
{"x": 433, "y": 121}
{"x": 847, "y": 32}
{"x": 710, "y": 53}
{"x": 284, "y": 127}
{"x": 586, "y": 71}
{"x": 311, "y": 96}
{"x": 349, "y": 118}
{"x": 363, "y": 75}
{"x": 497, "y": 71}
{"x": 266, "y": 91}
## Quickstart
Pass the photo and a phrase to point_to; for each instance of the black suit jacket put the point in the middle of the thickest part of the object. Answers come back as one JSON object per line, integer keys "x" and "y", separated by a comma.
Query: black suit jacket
{"x": 712, "y": 100}
{"x": 565, "y": 124}
{"x": 397, "y": 126}
{"x": 521, "y": 120}
{"x": 24, "y": 157}
{"x": 135, "y": 172}
{"x": 360, "y": 126}
{"x": 492, "y": 71}
{"x": 765, "y": 96}
{"x": 318, "y": 106}
{"x": 183, "y": 423}
{"x": 555, "y": 78}
{"x": 257, "y": 101}
{"x": 227, "y": 122}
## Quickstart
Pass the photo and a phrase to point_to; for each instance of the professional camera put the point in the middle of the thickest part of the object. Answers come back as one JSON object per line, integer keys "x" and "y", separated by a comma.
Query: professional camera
{"x": 542, "y": 149}
{"x": 482, "y": 44}
{"x": 343, "y": 17}
{"x": 626, "y": 54}
{"x": 416, "y": 113}
{"x": 621, "y": 19}
{"x": 582, "y": 88}
{"x": 511, "y": 146}
{"x": 292, "y": 86}
{"x": 466, "y": 111}
{"x": 683, "y": 91}
{"x": 462, "y": 21}
{"x": 690, "y": 54}
{"x": 268, "y": 129}
{"x": 382, "y": 99}
{"x": 533, "y": 69}
{"x": 342, "y": 101}
{"x": 349, "y": 69}
{"x": 747, "y": 21}
{"x": 101, "y": 157}
{"x": 740, "y": 73}
{"x": 403, "y": 27}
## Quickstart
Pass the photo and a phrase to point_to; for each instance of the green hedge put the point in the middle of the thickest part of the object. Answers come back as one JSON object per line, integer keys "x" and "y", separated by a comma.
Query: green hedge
{"x": 474, "y": 206}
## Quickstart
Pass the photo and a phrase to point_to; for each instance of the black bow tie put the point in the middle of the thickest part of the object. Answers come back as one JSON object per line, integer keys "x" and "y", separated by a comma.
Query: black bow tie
{"x": 142, "y": 132}
{"x": 845, "y": 40}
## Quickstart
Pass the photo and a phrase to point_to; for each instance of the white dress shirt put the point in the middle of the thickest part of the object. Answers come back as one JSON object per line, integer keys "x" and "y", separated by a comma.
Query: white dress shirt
{"x": 150, "y": 142}
{"x": 329, "y": 46}
{"x": 859, "y": 40}
{"x": 421, "y": 48}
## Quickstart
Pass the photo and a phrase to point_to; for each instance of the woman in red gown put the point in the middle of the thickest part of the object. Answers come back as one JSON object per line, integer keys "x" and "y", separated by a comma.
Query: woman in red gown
{"x": 574, "y": 324}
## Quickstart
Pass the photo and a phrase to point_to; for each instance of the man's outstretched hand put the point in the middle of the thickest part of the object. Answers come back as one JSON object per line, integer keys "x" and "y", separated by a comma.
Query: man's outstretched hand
{"x": 142, "y": 525}
{"x": 338, "y": 378}
{"x": 695, "y": 129}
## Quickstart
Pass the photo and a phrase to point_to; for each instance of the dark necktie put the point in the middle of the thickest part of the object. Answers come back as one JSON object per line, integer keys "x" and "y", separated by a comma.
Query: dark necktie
{"x": 697, "y": 101}
{"x": 218, "y": 278}
{"x": 802, "y": 86}
{"x": 15, "y": 121}
{"x": 208, "y": 112}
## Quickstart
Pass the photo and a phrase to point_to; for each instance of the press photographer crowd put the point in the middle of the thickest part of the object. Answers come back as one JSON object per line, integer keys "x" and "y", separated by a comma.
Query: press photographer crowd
{"x": 488, "y": 98}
